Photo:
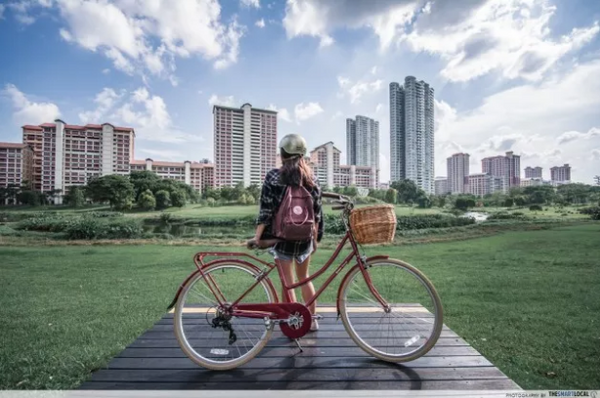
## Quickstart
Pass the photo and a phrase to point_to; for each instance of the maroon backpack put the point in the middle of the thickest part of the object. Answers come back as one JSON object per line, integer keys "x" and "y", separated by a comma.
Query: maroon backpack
{"x": 295, "y": 218}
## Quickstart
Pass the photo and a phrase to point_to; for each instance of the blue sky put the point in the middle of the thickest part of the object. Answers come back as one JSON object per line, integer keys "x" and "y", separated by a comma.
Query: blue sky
{"x": 518, "y": 75}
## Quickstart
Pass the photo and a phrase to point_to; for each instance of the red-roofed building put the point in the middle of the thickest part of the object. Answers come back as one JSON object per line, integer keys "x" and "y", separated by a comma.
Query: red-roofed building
{"x": 200, "y": 175}
{"x": 66, "y": 155}
{"x": 16, "y": 165}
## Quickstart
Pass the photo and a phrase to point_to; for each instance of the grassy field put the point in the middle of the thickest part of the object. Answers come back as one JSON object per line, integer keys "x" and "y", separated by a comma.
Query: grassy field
{"x": 528, "y": 301}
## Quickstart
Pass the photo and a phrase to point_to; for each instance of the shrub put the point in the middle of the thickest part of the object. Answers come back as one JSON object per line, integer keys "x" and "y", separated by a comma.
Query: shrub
{"x": 165, "y": 218}
{"x": 211, "y": 202}
{"x": 432, "y": 221}
{"x": 93, "y": 228}
{"x": 45, "y": 224}
{"x": 178, "y": 198}
{"x": 535, "y": 208}
{"x": 589, "y": 210}
{"x": 85, "y": 229}
{"x": 163, "y": 199}
{"x": 507, "y": 216}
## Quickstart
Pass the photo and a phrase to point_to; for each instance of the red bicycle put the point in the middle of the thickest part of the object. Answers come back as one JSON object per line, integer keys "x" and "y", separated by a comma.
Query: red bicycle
{"x": 226, "y": 310}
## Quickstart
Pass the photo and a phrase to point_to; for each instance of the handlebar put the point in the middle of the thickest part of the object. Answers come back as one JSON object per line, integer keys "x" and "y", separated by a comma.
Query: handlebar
{"x": 339, "y": 207}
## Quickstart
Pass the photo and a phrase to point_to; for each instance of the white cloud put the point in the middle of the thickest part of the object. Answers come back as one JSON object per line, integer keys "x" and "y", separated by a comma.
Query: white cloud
{"x": 357, "y": 90}
{"x": 225, "y": 100}
{"x": 510, "y": 36}
{"x": 27, "y": 111}
{"x": 374, "y": 70}
{"x": 576, "y": 135}
{"x": 529, "y": 120}
{"x": 250, "y": 3}
{"x": 306, "y": 111}
{"x": 142, "y": 37}
{"x": 282, "y": 113}
{"x": 596, "y": 154}
{"x": 106, "y": 71}
{"x": 378, "y": 108}
{"x": 260, "y": 23}
{"x": 337, "y": 115}
{"x": 105, "y": 100}
{"x": 319, "y": 18}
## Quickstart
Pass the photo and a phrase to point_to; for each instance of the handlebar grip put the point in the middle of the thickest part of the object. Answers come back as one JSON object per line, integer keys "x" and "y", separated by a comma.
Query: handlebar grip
{"x": 330, "y": 195}
{"x": 339, "y": 207}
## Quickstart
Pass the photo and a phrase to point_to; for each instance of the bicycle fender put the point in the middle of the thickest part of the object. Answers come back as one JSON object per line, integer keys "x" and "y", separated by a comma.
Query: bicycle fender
{"x": 216, "y": 262}
{"x": 339, "y": 295}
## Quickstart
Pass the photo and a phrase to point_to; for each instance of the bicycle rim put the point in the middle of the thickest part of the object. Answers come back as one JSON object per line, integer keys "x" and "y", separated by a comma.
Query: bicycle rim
{"x": 413, "y": 324}
{"x": 197, "y": 308}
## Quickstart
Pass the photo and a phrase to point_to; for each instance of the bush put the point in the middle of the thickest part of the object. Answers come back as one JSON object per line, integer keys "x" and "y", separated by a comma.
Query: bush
{"x": 45, "y": 224}
{"x": 93, "y": 228}
{"x": 535, "y": 208}
{"x": 507, "y": 216}
{"x": 589, "y": 210}
{"x": 85, "y": 229}
{"x": 163, "y": 199}
{"x": 432, "y": 221}
{"x": 165, "y": 218}
{"x": 178, "y": 198}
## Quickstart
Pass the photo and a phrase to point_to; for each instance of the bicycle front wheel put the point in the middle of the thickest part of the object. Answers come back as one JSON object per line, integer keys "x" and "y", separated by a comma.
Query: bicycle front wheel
{"x": 406, "y": 330}
{"x": 211, "y": 338}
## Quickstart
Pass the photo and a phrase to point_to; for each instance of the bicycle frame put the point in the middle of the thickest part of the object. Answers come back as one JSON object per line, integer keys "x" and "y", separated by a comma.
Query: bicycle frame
{"x": 277, "y": 311}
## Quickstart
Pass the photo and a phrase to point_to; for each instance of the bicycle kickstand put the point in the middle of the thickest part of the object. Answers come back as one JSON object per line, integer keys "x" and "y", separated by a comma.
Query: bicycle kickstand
{"x": 297, "y": 341}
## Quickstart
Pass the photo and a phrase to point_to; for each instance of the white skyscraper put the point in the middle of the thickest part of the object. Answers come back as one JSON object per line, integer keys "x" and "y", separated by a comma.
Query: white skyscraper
{"x": 458, "y": 172}
{"x": 362, "y": 137}
{"x": 411, "y": 133}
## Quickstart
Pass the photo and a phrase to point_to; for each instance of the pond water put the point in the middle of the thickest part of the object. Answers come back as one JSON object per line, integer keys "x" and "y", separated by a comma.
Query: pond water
{"x": 478, "y": 216}
{"x": 179, "y": 230}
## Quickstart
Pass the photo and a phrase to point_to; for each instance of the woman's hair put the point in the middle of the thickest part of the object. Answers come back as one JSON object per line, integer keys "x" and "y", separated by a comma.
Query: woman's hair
{"x": 295, "y": 171}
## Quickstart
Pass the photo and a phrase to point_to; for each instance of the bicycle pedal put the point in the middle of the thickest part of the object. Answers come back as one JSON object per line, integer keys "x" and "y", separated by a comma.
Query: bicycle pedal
{"x": 317, "y": 316}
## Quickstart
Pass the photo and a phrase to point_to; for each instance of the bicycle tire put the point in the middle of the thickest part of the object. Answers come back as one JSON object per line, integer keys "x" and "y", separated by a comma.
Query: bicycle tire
{"x": 180, "y": 333}
{"x": 355, "y": 335}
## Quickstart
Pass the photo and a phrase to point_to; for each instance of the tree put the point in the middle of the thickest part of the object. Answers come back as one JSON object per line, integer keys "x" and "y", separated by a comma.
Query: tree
{"x": 75, "y": 197}
{"x": 423, "y": 201}
{"x": 163, "y": 199}
{"x": 574, "y": 193}
{"x": 115, "y": 189}
{"x": 408, "y": 192}
{"x": 246, "y": 199}
{"x": 254, "y": 190}
{"x": 146, "y": 200}
{"x": 391, "y": 196}
{"x": 539, "y": 194}
{"x": 520, "y": 200}
{"x": 464, "y": 202}
{"x": 30, "y": 198}
{"x": 143, "y": 181}
{"x": 178, "y": 198}
{"x": 509, "y": 202}
{"x": 351, "y": 191}
{"x": 212, "y": 193}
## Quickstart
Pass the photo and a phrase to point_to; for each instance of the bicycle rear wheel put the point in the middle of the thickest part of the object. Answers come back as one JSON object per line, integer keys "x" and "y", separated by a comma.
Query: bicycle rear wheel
{"x": 209, "y": 337}
{"x": 412, "y": 324}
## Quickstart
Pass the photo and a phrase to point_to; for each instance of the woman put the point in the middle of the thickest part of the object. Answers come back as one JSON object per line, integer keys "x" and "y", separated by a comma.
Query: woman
{"x": 293, "y": 172}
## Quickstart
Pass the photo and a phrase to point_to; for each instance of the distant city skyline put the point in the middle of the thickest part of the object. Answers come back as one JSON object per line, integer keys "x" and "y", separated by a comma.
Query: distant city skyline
{"x": 362, "y": 142}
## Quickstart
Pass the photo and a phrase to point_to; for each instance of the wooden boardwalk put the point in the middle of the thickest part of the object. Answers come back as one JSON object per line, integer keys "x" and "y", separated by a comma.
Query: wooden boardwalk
{"x": 330, "y": 360}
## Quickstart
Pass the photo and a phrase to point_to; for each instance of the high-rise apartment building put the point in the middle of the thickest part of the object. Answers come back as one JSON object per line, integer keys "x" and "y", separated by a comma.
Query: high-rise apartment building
{"x": 199, "y": 175}
{"x": 560, "y": 173}
{"x": 325, "y": 162}
{"x": 245, "y": 144}
{"x": 16, "y": 165}
{"x": 441, "y": 186}
{"x": 67, "y": 155}
{"x": 507, "y": 167}
{"x": 458, "y": 170}
{"x": 362, "y": 140}
{"x": 479, "y": 184}
{"x": 533, "y": 172}
{"x": 412, "y": 133}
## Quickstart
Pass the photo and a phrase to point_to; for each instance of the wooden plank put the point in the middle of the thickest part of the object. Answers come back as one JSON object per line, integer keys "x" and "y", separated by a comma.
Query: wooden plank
{"x": 480, "y": 384}
{"x": 272, "y": 351}
{"x": 392, "y": 373}
{"x": 281, "y": 341}
{"x": 302, "y": 362}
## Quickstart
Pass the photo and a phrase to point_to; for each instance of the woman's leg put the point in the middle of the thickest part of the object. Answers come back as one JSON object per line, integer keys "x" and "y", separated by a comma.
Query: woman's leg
{"x": 308, "y": 290}
{"x": 288, "y": 274}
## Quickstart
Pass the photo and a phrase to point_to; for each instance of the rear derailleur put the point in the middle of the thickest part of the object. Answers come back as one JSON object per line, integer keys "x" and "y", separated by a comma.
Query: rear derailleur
{"x": 221, "y": 321}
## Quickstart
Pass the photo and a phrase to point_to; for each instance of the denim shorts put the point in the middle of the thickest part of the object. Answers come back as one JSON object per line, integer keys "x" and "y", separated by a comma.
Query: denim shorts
{"x": 299, "y": 257}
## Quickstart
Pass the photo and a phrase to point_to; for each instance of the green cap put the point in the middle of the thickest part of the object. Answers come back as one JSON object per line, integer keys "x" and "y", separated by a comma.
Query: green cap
{"x": 293, "y": 144}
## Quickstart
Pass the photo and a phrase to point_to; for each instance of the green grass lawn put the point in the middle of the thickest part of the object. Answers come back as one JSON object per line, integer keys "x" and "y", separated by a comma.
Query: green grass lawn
{"x": 528, "y": 301}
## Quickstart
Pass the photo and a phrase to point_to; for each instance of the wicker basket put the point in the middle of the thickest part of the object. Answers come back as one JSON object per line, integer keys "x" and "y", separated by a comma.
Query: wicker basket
{"x": 373, "y": 224}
